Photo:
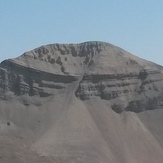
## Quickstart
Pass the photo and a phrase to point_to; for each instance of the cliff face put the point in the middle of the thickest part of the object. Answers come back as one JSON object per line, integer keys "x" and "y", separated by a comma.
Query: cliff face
{"x": 100, "y": 69}
{"x": 131, "y": 92}
{"x": 59, "y": 104}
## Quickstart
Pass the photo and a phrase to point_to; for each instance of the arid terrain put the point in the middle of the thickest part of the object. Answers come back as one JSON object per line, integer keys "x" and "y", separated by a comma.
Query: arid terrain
{"x": 81, "y": 103}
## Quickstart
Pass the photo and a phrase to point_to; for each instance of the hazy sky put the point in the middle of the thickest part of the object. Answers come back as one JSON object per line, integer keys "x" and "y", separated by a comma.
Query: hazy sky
{"x": 134, "y": 25}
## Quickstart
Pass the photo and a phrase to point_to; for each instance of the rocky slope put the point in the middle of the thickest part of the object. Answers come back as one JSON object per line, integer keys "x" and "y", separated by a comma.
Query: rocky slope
{"x": 105, "y": 71}
{"x": 59, "y": 103}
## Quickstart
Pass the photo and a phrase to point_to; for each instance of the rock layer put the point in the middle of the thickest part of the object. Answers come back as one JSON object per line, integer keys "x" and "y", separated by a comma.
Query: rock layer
{"x": 105, "y": 71}
{"x": 59, "y": 104}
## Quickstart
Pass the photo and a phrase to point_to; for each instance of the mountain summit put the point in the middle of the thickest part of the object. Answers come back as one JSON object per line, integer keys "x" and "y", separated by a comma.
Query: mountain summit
{"x": 89, "y": 103}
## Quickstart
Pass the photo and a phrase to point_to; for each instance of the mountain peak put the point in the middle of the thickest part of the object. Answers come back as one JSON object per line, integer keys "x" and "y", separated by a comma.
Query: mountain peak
{"x": 105, "y": 71}
{"x": 79, "y": 103}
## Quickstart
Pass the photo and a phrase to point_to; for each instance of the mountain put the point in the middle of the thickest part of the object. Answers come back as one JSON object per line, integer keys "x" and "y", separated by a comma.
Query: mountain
{"x": 81, "y": 103}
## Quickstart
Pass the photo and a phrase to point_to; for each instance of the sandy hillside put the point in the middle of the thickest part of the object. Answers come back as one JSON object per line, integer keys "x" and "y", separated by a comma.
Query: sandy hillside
{"x": 81, "y": 103}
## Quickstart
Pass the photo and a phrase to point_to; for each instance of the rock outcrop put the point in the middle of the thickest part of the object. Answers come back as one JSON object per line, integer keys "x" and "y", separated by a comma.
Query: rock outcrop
{"x": 131, "y": 92}
{"x": 105, "y": 71}
{"x": 59, "y": 104}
